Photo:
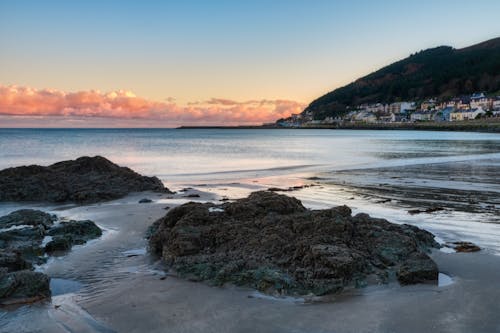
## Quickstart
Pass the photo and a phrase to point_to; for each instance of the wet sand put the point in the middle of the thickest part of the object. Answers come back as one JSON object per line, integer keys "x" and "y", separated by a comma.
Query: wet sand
{"x": 146, "y": 303}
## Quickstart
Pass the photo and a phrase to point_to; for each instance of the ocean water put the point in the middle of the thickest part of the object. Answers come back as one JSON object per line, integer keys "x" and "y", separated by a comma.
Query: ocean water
{"x": 184, "y": 155}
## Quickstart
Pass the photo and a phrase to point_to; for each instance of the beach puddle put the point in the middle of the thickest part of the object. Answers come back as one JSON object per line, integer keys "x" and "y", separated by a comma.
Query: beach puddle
{"x": 285, "y": 299}
{"x": 63, "y": 286}
{"x": 135, "y": 252}
{"x": 444, "y": 280}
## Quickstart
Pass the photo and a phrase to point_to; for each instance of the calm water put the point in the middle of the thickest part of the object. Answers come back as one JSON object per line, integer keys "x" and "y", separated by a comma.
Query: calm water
{"x": 210, "y": 154}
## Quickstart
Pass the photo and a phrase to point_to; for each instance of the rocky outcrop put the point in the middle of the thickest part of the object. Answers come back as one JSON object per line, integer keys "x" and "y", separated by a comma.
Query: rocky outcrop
{"x": 84, "y": 180}
{"x": 22, "y": 235}
{"x": 23, "y": 287}
{"x": 272, "y": 243}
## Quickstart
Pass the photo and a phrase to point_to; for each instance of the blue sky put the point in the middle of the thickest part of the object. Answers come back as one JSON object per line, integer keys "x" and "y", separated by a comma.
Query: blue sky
{"x": 242, "y": 50}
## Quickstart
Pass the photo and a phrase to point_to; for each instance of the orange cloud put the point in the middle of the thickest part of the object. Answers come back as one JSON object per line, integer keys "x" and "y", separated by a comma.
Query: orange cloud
{"x": 16, "y": 101}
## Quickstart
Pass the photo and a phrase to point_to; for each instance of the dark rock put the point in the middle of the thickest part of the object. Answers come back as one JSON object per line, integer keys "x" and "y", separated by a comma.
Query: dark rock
{"x": 418, "y": 269}
{"x": 23, "y": 286}
{"x": 59, "y": 244}
{"x": 78, "y": 231}
{"x": 21, "y": 247}
{"x": 145, "y": 200}
{"x": 464, "y": 246}
{"x": 84, "y": 180}
{"x": 428, "y": 210}
{"x": 27, "y": 217}
{"x": 272, "y": 243}
{"x": 278, "y": 189}
{"x": 13, "y": 261}
{"x": 193, "y": 195}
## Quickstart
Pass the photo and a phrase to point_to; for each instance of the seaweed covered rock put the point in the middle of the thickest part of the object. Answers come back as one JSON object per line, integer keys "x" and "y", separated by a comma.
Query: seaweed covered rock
{"x": 23, "y": 287}
{"x": 78, "y": 231}
{"x": 22, "y": 237}
{"x": 84, "y": 180}
{"x": 272, "y": 243}
{"x": 29, "y": 217}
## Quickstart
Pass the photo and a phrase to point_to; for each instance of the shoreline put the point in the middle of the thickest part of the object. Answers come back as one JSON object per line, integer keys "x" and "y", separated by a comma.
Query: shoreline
{"x": 483, "y": 126}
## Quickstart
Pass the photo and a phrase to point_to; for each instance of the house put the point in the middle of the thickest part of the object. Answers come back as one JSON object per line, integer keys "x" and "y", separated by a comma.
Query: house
{"x": 495, "y": 105}
{"x": 444, "y": 114}
{"x": 479, "y": 100}
{"x": 459, "y": 115}
{"x": 428, "y": 105}
{"x": 421, "y": 116}
{"x": 401, "y": 107}
{"x": 375, "y": 108}
{"x": 400, "y": 118}
{"x": 387, "y": 118}
{"x": 366, "y": 117}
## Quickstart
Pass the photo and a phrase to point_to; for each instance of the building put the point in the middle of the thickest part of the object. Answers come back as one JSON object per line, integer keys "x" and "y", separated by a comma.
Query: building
{"x": 387, "y": 118}
{"x": 495, "y": 105}
{"x": 421, "y": 116}
{"x": 428, "y": 105}
{"x": 378, "y": 107}
{"x": 459, "y": 115}
{"x": 366, "y": 117}
{"x": 444, "y": 114}
{"x": 401, "y": 107}
{"x": 479, "y": 100}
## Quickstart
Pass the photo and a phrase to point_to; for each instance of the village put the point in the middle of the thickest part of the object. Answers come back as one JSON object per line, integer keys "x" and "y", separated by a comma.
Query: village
{"x": 463, "y": 108}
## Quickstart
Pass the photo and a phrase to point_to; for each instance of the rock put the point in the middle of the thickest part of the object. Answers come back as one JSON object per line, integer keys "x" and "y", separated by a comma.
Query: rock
{"x": 145, "y": 200}
{"x": 428, "y": 210}
{"x": 193, "y": 195}
{"x": 13, "y": 261}
{"x": 21, "y": 236}
{"x": 278, "y": 189}
{"x": 464, "y": 246}
{"x": 23, "y": 286}
{"x": 417, "y": 269}
{"x": 78, "y": 232}
{"x": 84, "y": 180}
{"x": 272, "y": 243}
{"x": 59, "y": 244}
{"x": 29, "y": 217}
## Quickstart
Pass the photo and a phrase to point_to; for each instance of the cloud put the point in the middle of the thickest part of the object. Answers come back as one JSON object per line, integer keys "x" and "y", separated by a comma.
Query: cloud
{"x": 17, "y": 102}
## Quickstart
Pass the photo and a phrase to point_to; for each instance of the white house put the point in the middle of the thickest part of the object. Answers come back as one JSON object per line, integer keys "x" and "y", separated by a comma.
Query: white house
{"x": 367, "y": 117}
{"x": 480, "y": 101}
{"x": 495, "y": 105}
{"x": 421, "y": 116}
{"x": 379, "y": 107}
{"x": 459, "y": 115}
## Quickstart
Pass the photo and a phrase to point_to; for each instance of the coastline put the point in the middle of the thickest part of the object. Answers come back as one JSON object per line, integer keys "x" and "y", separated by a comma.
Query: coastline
{"x": 481, "y": 125}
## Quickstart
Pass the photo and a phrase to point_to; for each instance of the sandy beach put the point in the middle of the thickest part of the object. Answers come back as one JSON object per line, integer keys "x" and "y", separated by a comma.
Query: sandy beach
{"x": 123, "y": 289}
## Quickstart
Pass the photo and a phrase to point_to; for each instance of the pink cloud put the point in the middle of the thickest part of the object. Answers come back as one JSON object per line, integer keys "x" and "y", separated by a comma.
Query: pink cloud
{"x": 18, "y": 102}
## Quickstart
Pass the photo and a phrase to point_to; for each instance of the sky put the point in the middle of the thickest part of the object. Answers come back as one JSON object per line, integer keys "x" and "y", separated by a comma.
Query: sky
{"x": 169, "y": 63}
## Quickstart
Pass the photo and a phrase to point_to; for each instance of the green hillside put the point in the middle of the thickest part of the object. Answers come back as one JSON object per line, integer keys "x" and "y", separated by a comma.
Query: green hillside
{"x": 438, "y": 72}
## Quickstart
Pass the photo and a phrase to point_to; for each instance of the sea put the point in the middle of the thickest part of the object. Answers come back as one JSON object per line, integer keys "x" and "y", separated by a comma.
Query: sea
{"x": 183, "y": 155}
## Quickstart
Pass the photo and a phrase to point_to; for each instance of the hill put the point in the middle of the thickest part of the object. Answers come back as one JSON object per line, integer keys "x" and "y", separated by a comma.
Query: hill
{"x": 437, "y": 72}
